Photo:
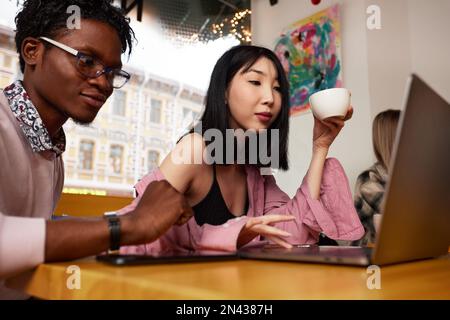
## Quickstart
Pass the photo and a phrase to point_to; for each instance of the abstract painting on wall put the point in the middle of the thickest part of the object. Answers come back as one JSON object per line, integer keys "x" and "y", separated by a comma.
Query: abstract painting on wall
{"x": 310, "y": 53}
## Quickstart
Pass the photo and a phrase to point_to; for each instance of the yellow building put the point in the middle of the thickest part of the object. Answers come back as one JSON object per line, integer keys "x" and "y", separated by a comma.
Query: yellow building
{"x": 9, "y": 62}
{"x": 132, "y": 133}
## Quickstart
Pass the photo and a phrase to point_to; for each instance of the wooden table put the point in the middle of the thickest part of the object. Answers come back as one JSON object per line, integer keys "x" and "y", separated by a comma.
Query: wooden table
{"x": 241, "y": 279}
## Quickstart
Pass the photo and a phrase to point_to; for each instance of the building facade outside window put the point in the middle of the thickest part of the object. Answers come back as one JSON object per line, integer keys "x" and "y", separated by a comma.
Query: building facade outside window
{"x": 119, "y": 103}
{"x": 156, "y": 111}
{"x": 86, "y": 155}
{"x": 190, "y": 114}
{"x": 116, "y": 159}
{"x": 140, "y": 123}
{"x": 152, "y": 160}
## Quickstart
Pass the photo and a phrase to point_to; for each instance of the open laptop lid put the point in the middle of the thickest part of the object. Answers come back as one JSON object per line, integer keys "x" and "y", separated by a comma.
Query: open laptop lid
{"x": 416, "y": 210}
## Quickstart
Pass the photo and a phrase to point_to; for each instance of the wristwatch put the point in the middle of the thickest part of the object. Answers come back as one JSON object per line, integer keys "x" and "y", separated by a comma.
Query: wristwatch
{"x": 114, "y": 231}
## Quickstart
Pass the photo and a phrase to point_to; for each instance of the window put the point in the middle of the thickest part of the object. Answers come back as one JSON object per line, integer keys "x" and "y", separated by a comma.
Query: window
{"x": 86, "y": 155}
{"x": 170, "y": 71}
{"x": 119, "y": 103}
{"x": 152, "y": 160}
{"x": 189, "y": 115}
{"x": 156, "y": 109}
{"x": 115, "y": 158}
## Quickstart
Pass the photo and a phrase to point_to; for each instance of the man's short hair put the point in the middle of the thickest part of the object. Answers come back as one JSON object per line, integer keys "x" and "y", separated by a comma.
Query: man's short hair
{"x": 47, "y": 17}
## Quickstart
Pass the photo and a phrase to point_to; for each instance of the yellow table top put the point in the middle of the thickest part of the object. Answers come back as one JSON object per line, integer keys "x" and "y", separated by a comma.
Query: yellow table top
{"x": 241, "y": 279}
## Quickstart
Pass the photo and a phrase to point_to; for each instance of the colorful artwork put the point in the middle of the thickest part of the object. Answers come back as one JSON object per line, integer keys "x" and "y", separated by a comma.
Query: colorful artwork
{"x": 310, "y": 53}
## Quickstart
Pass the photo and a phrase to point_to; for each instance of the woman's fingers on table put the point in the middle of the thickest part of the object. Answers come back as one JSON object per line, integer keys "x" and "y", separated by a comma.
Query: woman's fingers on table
{"x": 279, "y": 241}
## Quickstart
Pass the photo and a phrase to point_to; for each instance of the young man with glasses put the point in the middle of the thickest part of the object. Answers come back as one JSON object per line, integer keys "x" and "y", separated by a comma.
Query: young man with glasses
{"x": 67, "y": 74}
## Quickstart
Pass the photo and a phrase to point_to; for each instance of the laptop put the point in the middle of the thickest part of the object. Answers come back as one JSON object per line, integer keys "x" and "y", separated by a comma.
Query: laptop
{"x": 416, "y": 208}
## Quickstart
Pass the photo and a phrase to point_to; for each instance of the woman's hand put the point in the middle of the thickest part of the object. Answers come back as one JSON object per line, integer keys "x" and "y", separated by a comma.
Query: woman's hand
{"x": 264, "y": 226}
{"x": 326, "y": 131}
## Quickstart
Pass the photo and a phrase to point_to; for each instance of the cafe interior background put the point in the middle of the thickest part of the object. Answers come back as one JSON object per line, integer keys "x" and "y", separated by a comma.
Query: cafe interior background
{"x": 372, "y": 46}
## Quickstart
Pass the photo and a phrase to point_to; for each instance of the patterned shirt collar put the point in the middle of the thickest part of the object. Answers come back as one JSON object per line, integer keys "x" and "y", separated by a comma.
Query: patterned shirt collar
{"x": 31, "y": 123}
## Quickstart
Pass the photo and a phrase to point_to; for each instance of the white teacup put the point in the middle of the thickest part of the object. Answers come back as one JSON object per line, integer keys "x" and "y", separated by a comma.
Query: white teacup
{"x": 330, "y": 103}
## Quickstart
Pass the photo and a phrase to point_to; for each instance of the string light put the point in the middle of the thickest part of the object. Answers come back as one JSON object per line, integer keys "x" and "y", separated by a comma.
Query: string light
{"x": 236, "y": 26}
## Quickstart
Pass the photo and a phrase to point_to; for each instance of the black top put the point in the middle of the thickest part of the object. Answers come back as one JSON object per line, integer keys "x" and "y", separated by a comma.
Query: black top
{"x": 213, "y": 209}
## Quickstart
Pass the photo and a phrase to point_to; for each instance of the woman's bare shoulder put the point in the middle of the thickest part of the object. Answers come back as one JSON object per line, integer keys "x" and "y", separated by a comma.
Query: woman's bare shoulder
{"x": 184, "y": 162}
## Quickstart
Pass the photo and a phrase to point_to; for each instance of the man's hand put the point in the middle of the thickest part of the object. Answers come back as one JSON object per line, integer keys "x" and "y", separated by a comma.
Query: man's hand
{"x": 160, "y": 207}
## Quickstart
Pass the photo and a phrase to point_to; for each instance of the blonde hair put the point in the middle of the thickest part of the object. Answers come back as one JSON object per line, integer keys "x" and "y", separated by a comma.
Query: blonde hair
{"x": 383, "y": 135}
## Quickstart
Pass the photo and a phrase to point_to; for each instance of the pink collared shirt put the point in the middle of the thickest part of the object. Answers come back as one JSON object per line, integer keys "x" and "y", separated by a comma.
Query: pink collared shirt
{"x": 22, "y": 242}
{"x": 333, "y": 214}
{"x": 31, "y": 182}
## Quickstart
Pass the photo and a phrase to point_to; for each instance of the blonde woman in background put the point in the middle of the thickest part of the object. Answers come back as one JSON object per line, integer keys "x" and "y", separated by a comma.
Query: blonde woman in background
{"x": 371, "y": 184}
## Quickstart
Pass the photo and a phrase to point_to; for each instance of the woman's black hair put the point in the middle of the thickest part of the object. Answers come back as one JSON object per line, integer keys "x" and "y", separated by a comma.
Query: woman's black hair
{"x": 217, "y": 113}
{"x": 47, "y": 17}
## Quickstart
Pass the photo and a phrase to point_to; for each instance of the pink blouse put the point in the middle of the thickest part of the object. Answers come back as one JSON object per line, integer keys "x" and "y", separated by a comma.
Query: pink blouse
{"x": 333, "y": 214}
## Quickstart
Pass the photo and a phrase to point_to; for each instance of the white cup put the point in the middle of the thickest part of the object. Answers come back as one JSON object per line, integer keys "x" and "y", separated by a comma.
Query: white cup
{"x": 330, "y": 103}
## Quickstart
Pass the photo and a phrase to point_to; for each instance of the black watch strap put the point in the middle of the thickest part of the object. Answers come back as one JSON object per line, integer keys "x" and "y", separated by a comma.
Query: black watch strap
{"x": 114, "y": 232}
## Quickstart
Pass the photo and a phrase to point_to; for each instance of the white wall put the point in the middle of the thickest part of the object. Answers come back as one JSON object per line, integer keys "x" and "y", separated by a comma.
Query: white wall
{"x": 353, "y": 146}
{"x": 429, "y": 30}
{"x": 414, "y": 37}
{"x": 388, "y": 56}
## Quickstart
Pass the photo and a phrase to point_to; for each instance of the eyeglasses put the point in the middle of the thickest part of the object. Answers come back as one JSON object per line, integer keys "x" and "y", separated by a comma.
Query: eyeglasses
{"x": 91, "y": 68}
